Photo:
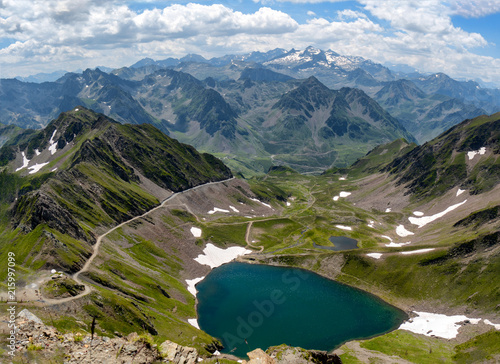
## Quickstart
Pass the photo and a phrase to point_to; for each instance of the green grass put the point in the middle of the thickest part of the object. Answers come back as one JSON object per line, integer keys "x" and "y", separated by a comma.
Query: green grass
{"x": 411, "y": 347}
{"x": 275, "y": 233}
{"x": 225, "y": 234}
{"x": 482, "y": 348}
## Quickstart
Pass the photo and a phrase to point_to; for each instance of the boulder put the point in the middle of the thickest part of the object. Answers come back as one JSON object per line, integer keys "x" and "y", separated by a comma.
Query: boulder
{"x": 178, "y": 354}
{"x": 27, "y": 315}
{"x": 258, "y": 356}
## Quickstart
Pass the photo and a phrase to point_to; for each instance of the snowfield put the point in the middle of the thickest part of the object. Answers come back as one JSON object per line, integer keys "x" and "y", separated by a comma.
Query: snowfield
{"x": 401, "y": 231}
{"x": 191, "y": 283}
{"x": 342, "y": 194}
{"x": 473, "y": 153}
{"x": 26, "y": 161}
{"x": 194, "y": 322}
{"x": 265, "y": 204}
{"x": 215, "y": 257}
{"x": 196, "y": 232}
{"x": 216, "y": 209}
{"x": 37, "y": 167}
{"x": 433, "y": 324}
{"x": 422, "y": 221}
{"x": 53, "y": 145}
{"x": 420, "y": 251}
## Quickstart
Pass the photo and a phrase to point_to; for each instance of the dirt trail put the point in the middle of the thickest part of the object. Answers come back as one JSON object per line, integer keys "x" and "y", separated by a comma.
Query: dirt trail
{"x": 97, "y": 245}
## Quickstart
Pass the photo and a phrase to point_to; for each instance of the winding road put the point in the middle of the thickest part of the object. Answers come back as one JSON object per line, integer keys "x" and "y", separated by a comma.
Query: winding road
{"x": 88, "y": 289}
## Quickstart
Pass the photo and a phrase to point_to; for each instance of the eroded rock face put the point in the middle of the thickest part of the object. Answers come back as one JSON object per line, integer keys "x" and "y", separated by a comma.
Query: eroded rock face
{"x": 177, "y": 354}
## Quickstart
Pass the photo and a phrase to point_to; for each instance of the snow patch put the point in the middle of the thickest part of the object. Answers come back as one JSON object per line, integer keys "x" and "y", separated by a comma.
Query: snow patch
{"x": 459, "y": 192}
{"x": 488, "y": 322}
{"x": 387, "y": 237}
{"x": 418, "y": 251}
{"x": 211, "y": 212}
{"x": 401, "y": 231}
{"x": 215, "y": 257}
{"x": 397, "y": 245}
{"x": 418, "y": 213}
{"x": 26, "y": 161}
{"x": 265, "y": 204}
{"x": 374, "y": 255}
{"x": 196, "y": 232}
{"x": 422, "y": 221}
{"x": 434, "y": 324}
{"x": 191, "y": 283}
{"x": 37, "y": 167}
{"x": 194, "y": 322}
{"x": 53, "y": 145}
{"x": 341, "y": 194}
{"x": 473, "y": 153}
{"x": 288, "y": 203}
{"x": 388, "y": 209}
{"x": 343, "y": 227}
{"x": 234, "y": 209}
{"x": 342, "y": 179}
{"x": 37, "y": 152}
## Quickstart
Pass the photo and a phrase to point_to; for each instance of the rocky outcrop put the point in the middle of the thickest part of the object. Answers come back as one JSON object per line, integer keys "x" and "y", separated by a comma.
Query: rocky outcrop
{"x": 258, "y": 356}
{"x": 36, "y": 208}
{"x": 177, "y": 354}
{"x": 47, "y": 344}
{"x": 290, "y": 355}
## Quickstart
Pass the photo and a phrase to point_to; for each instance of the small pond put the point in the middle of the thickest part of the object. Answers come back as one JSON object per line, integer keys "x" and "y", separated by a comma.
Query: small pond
{"x": 339, "y": 243}
{"x": 249, "y": 306}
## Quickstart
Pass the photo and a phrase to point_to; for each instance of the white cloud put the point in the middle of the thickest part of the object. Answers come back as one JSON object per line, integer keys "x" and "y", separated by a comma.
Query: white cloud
{"x": 474, "y": 8}
{"x": 70, "y": 34}
{"x": 301, "y": 1}
{"x": 350, "y": 14}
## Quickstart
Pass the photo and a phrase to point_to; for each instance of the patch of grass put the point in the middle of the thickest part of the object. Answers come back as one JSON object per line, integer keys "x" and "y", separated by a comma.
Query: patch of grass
{"x": 274, "y": 233}
{"x": 482, "y": 348}
{"x": 411, "y": 347}
{"x": 34, "y": 347}
{"x": 226, "y": 234}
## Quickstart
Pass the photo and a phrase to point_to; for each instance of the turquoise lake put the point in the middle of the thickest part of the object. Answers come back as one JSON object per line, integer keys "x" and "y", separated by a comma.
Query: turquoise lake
{"x": 249, "y": 306}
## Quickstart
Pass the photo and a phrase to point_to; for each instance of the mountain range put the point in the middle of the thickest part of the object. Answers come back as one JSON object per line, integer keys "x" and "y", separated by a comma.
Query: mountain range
{"x": 234, "y": 106}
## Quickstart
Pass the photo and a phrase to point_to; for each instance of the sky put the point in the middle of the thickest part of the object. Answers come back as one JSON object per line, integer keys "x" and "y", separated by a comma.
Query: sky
{"x": 458, "y": 37}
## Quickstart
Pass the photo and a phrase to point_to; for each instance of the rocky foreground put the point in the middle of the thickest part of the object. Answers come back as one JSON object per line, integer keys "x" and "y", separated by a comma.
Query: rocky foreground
{"x": 37, "y": 342}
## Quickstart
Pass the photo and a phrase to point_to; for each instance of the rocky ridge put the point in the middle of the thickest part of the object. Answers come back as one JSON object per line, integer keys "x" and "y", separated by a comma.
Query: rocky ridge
{"x": 39, "y": 343}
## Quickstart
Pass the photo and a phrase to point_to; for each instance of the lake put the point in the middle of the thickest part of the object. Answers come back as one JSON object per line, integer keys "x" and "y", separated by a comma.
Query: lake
{"x": 249, "y": 306}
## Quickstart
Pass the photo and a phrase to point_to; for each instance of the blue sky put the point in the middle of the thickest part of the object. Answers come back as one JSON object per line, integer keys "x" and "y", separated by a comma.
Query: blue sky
{"x": 457, "y": 37}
